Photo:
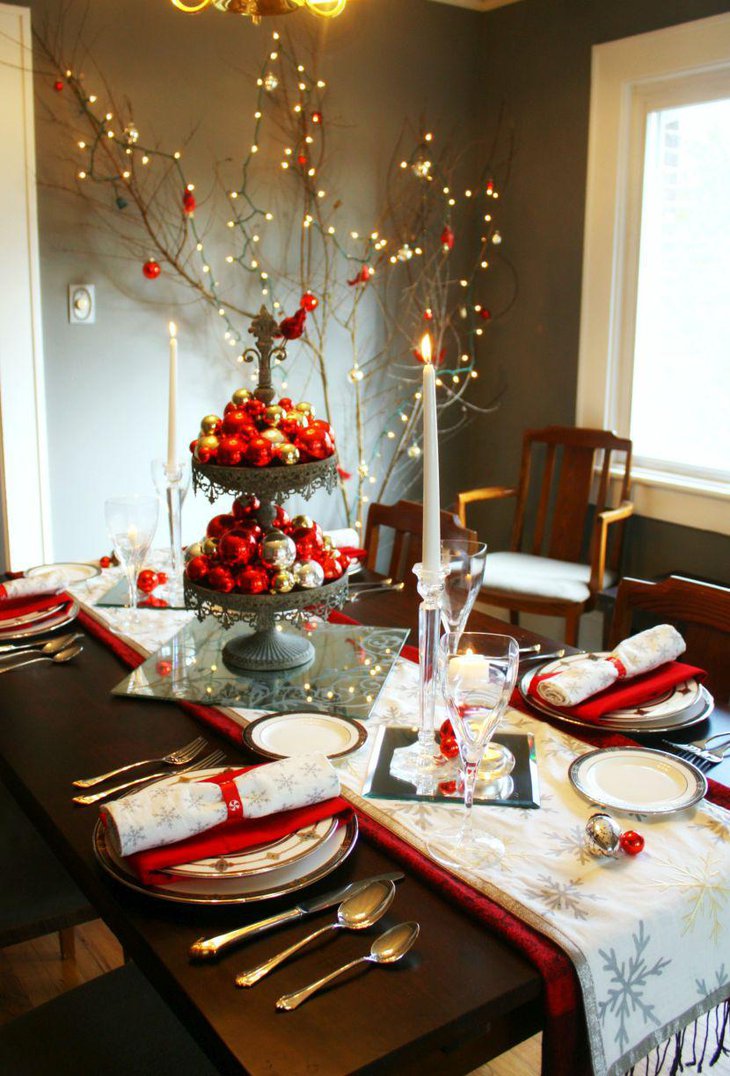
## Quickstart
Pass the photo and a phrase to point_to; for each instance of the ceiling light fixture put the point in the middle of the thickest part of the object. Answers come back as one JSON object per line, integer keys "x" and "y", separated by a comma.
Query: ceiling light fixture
{"x": 258, "y": 9}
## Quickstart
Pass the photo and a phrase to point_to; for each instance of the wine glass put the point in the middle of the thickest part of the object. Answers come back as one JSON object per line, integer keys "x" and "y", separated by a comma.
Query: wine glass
{"x": 465, "y": 559}
{"x": 479, "y": 672}
{"x": 131, "y": 523}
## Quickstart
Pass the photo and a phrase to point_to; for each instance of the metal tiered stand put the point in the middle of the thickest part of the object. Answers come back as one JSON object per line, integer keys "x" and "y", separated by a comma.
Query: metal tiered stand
{"x": 268, "y": 647}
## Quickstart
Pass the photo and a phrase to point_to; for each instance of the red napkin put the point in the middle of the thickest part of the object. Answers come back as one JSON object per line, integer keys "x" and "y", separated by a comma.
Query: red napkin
{"x": 14, "y": 607}
{"x": 352, "y": 552}
{"x": 230, "y": 837}
{"x": 625, "y": 693}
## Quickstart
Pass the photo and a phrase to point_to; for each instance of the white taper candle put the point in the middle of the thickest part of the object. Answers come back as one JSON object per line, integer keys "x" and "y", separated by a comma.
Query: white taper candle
{"x": 172, "y": 401}
{"x": 431, "y": 494}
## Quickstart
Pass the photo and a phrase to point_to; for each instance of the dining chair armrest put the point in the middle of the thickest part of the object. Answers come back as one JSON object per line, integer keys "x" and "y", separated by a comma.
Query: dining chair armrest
{"x": 486, "y": 493}
{"x": 600, "y": 541}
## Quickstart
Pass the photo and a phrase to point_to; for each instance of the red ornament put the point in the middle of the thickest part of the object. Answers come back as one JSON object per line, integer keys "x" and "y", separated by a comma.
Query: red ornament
{"x": 282, "y": 519}
{"x": 631, "y": 842}
{"x": 490, "y": 188}
{"x": 249, "y": 528}
{"x": 309, "y": 542}
{"x": 258, "y": 452}
{"x": 152, "y": 602}
{"x": 485, "y": 314}
{"x": 230, "y": 451}
{"x": 197, "y": 569}
{"x": 151, "y": 269}
{"x": 447, "y": 239}
{"x": 58, "y": 85}
{"x": 309, "y": 302}
{"x": 428, "y": 314}
{"x": 164, "y": 668}
{"x": 344, "y": 475}
{"x": 147, "y": 580}
{"x": 363, "y": 276}
{"x": 105, "y": 562}
{"x": 332, "y": 566}
{"x": 302, "y": 159}
{"x": 317, "y": 118}
{"x": 188, "y": 202}
{"x": 161, "y": 578}
{"x": 252, "y": 580}
{"x": 446, "y": 788}
{"x": 237, "y": 549}
{"x": 238, "y": 421}
{"x": 315, "y": 444}
{"x": 447, "y": 729}
{"x": 449, "y": 747}
{"x": 286, "y": 403}
{"x": 293, "y": 327}
{"x": 437, "y": 361}
{"x": 255, "y": 408}
{"x": 219, "y": 525}
{"x": 245, "y": 507}
{"x": 220, "y": 578}
{"x": 321, "y": 424}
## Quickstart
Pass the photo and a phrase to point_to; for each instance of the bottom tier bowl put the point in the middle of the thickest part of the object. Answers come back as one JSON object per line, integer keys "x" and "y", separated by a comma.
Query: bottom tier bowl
{"x": 267, "y": 648}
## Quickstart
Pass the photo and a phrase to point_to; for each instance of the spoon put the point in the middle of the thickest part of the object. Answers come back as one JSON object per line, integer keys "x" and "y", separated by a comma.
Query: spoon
{"x": 59, "y": 659}
{"x": 387, "y": 949}
{"x": 356, "y": 913}
{"x": 51, "y": 647}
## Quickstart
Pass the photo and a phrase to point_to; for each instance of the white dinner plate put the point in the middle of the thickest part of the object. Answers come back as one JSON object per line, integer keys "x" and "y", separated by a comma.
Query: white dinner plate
{"x": 30, "y": 628}
{"x": 637, "y": 780}
{"x": 75, "y": 572}
{"x": 299, "y": 732}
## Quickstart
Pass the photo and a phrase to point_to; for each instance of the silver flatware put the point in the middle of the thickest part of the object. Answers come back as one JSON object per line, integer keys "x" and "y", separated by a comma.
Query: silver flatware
{"x": 387, "y": 949}
{"x": 700, "y": 757}
{"x": 704, "y": 745}
{"x": 392, "y": 588}
{"x": 59, "y": 659}
{"x": 175, "y": 758}
{"x": 52, "y": 646}
{"x": 209, "y": 948}
{"x": 367, "y": 583}
{"x": 201, "y": 764}
{"x": 539, "y": 656}
{"x": 29, "y": 618}
{"x": 357, "y": 912}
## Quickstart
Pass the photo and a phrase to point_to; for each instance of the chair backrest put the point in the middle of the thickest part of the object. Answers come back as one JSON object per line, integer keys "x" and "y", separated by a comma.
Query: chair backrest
{"x": 700, "y": 611}
{"x": 564, "y": 497}
{"x": 406, "y": 519}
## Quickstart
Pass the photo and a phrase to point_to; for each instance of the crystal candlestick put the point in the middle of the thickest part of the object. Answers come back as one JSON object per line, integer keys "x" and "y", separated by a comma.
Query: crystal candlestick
{"x": 172, "y": 485}
{"x": 421, "y": 763}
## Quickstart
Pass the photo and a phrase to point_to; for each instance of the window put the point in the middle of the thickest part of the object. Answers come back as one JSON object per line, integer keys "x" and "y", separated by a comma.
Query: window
{"x": 655, "y": 327}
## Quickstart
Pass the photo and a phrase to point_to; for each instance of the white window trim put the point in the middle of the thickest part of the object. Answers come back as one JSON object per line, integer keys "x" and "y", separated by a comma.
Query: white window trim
{"x": 629, "y": 77}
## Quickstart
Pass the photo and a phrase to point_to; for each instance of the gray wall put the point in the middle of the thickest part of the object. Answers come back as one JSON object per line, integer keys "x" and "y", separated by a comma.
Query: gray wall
{"x": 536, "y": 54}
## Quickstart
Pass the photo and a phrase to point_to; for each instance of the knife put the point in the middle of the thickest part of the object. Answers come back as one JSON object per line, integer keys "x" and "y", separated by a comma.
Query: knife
{"x": 209, "y": 948}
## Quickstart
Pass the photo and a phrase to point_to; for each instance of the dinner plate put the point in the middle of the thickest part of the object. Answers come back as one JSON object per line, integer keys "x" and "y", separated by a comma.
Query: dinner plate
{"x": 637, "y": 780}
{"x": 299, "y": 732}
{"x": 29, "y": 628}
{"x": 75, "y": 572}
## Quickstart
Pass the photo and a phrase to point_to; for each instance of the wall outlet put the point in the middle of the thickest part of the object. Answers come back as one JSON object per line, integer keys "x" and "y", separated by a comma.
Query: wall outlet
{"x": 81, "y": 304}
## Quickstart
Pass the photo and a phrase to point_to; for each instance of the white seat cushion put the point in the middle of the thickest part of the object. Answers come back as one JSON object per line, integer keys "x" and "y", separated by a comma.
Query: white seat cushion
{"x": 540, "y": 577}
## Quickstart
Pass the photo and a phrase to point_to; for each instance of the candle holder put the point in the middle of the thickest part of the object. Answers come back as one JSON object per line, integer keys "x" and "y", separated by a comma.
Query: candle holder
{"x": 422, "y": 764}
{"x": 172, "y": 484}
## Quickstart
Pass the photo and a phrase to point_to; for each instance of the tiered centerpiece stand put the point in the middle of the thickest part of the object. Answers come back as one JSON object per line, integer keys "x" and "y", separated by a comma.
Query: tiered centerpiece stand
{"x": 268, "y": 648}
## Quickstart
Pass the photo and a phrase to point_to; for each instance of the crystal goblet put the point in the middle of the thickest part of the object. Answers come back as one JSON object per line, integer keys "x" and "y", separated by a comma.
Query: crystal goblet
{"x": 465, "y": 560}
{"x": 131, "y": 522}
{"x": 479, "y": 672}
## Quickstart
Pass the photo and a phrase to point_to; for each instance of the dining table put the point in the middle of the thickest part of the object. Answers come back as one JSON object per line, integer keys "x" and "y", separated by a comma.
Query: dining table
{"x": 461, "y": 997}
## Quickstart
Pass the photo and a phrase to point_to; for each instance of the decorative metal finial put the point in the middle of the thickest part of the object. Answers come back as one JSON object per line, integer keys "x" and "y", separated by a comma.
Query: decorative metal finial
{"x": 265, "y": 328}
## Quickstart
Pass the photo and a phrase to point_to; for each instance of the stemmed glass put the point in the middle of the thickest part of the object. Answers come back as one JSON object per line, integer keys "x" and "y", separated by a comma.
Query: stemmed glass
{"x": 479, "y": 672}
{"x": 465, "y": 560}
{"x": 131, "y": 523}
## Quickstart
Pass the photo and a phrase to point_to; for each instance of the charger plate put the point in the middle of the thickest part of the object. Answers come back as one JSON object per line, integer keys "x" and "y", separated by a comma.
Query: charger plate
{"x": 298, "y": 732}
{"x": 637, "y": 780}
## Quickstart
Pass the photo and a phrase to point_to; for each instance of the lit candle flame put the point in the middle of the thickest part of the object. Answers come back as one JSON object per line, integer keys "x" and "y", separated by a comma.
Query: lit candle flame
{"x": 172, "y": 327}
{"x": 426, "y": 350}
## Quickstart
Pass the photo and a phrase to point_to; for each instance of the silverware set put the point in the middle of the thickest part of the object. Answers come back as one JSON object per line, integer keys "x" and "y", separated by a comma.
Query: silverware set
{"x": 181, "y": 761}
{"x": 59, "y": 651}
{"x": 700, "y": 753}
{"x": 364, "y": 590}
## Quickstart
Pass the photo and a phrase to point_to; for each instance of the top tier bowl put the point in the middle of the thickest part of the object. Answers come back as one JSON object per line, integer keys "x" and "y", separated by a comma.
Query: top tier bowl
{"x": 267, "y": 483}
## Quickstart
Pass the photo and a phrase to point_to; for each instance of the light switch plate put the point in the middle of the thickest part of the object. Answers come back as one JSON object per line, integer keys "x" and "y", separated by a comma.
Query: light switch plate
{"x": 81, "y": 304}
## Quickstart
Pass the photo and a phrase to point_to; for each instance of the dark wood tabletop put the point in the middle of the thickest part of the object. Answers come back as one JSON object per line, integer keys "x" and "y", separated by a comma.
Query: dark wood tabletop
{"x": 461, "y": 997}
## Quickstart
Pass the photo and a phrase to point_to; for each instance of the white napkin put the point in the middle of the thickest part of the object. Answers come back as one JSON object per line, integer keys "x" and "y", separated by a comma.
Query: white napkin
{"x": 345, "y": 536}
{"x": 163, "y": 814}
{"x": 638, "y": 654}
{"x": 49, "y": 583}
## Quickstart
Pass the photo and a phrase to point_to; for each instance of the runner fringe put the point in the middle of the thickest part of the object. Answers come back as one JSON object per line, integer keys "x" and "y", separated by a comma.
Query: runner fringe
{"x": 654, "y": 1064}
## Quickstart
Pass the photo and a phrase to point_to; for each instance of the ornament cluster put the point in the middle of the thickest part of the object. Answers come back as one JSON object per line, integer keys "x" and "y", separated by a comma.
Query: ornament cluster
{"x": 237, "y": 556}
{"x": 252, "y": 434}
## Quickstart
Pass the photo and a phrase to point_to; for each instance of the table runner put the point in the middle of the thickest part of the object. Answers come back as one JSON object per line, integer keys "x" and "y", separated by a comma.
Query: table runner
{"x": 557, "y": 890}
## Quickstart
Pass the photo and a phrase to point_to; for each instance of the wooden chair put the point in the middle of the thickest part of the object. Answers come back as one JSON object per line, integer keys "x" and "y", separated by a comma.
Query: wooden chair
{"x": 569, "y": 561}
{"x": 406, "y": 519}
{"x": 700, "y": 611}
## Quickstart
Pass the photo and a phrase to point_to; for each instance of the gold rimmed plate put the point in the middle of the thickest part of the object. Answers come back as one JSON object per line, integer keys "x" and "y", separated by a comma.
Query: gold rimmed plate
{"x": 299, "y": 732}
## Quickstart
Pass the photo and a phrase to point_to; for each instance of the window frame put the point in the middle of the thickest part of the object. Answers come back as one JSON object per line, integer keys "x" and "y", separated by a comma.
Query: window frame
{"x": 631, "y": 77}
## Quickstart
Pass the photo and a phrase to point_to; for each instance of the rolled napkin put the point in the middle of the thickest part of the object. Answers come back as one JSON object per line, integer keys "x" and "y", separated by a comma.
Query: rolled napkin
{"x": 639, "y": 654}
{"x": 49, "y": 583}
{"x": 345, "y": 536}
{"x": 163, "y": 814}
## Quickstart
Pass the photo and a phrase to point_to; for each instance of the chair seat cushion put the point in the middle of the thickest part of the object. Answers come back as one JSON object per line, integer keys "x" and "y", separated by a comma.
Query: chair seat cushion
{"x": 112, "y": 1026}
{"x": 539, "y": 577}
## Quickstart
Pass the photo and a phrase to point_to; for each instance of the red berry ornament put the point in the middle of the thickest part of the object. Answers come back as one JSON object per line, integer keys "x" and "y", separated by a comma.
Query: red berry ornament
{"x": 58, "y": 85}
{"x": 309, "y": 302}
{"x": 449, "y": 747}
{"x": 485, "y": 314}
{"x": 258, "y": 452}
{"x": 219, "y": 525}
{"x": 197, "y": 569}
{"x": 161, "y": 578}
{"x": 317, "y": 118}
{"x": 220, "y": 578}
{"x": 151, "y": 269}
{"x": 237, "y": 549}
{"x": 252, "y": 580}
{"x": 447, "y": 239}
{"x": 631, "y": 842}
{"x": 147, "y": 581}
{"x": 293, "y": 327}
{"x": 188, "y": 201}
{"x": 105, "y": 562}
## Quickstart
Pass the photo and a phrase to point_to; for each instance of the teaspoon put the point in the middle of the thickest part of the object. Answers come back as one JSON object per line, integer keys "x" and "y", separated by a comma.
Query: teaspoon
{"x": 59, "y": 659}
{"x": 387, "y": 949}
{"x": 358, "y": 912}
{"x": 53, "y": 646}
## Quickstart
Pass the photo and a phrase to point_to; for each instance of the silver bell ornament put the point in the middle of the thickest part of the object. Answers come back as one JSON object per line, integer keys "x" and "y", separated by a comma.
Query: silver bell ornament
{"x": 277, "y": 550}
{"x": 602, "y": 835}
{"x": 308, "y": 574}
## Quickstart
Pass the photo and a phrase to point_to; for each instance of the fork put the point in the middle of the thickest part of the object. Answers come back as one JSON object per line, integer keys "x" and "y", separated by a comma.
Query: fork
{"x": 175, "y": 758}
{"x": 202, "y": 764}
{"x": 702, "y": 762}
{"x": 699, "y": 749}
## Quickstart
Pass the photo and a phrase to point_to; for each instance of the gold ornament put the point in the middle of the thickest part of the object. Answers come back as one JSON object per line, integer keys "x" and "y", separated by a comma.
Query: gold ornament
{"x": 282, "y": 582}
{"x": 240, "y": 396}
{"x": 287, "y": 453}
{"x": 328, "y": 543}
{"x": 273, "y": 415}
{"x": 209, "y": 425}
{"x": 296, "y": 418}
{"x": 302, "y": 522}
{"x": 305, "y": 409}
{"x": 193, "y": 550}
{"x": 206, "y": 444}
{"x": 274, "y": 437}
{"x": 210, "y": 547}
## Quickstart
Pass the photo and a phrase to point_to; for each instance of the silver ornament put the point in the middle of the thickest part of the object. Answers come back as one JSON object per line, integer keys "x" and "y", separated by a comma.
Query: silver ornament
{"x": 277, "y": 550}
{"x": 602, "y": 835}
{"x": 308, "y": 574}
